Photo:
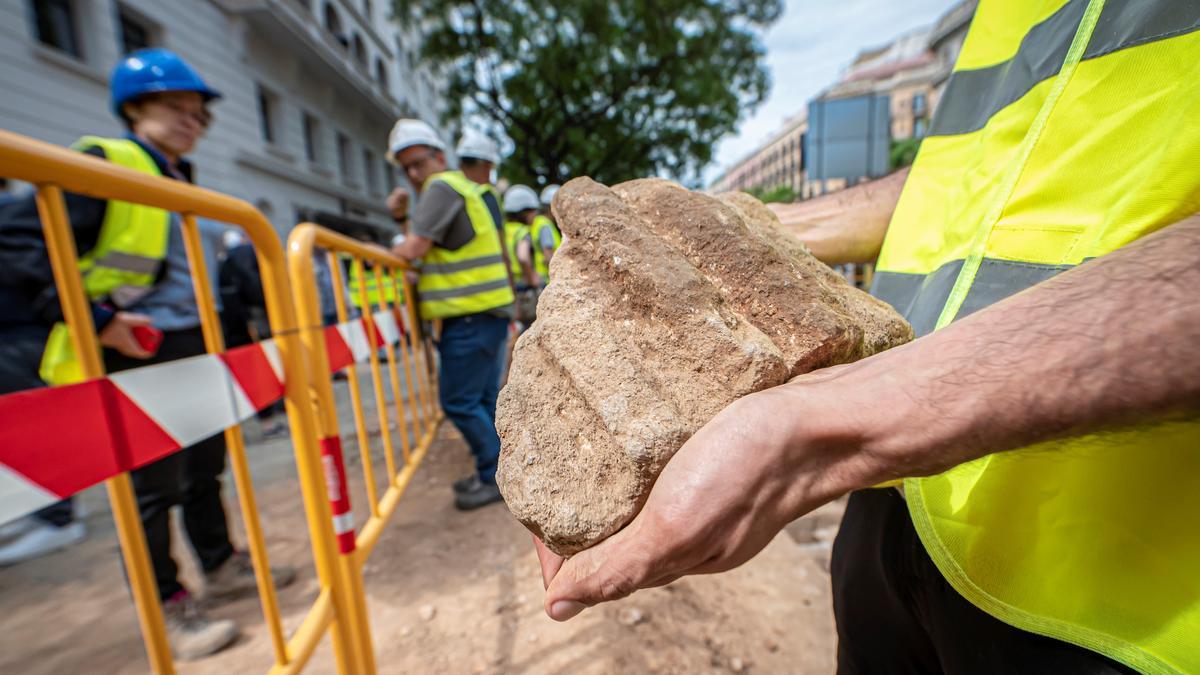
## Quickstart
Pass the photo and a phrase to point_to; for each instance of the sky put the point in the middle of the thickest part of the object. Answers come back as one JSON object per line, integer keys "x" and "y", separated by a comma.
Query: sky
{"x": 806, "y": 50}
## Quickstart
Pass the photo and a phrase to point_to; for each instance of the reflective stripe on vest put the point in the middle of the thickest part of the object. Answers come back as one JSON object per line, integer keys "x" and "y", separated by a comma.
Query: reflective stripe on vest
{"x": 514, "y": 232}
{"x": 539, "y": 257}
{"x": 125, "y": 262}
{"x": 1067, "y": 130}
{"x": 471, "y": 279}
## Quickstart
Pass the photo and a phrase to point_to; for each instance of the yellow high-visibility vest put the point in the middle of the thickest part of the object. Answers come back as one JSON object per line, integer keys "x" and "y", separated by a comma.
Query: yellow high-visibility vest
{"x": 1068, "y": 129}
{"x": 514, "y": 232}
{"x": 125, "y": 262}
{"x": 372, "y": 288}
{"x": 471, "y": 279}
{"x": 541, "y": 223}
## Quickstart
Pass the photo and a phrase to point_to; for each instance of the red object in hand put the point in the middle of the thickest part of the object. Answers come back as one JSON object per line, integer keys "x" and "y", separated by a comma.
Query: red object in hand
{"x": 148, "y": 337}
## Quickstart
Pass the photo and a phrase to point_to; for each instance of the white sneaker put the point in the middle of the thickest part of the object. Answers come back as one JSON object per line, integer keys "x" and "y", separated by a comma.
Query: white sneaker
{"x": 192, "y": 634}
{"x": 18, "y": 527}
{"x": 42, "y": 539}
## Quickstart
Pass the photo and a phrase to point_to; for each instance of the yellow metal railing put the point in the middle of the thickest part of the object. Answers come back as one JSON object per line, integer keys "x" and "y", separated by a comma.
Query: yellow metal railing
{"x": 416, "y": 430}
{"x": 340, "y": 605}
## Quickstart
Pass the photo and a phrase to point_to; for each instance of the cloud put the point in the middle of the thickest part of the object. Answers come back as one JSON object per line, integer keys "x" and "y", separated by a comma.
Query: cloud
{"x": 806, "y": 51}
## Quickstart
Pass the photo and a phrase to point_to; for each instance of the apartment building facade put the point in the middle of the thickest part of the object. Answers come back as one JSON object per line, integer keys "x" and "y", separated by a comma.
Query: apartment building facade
{"x": 311, "y": 89}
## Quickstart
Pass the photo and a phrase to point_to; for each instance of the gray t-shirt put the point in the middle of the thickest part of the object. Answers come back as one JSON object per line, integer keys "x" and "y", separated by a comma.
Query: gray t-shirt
{"x": 441, "y": 216}
{"x": 546, "y": 237}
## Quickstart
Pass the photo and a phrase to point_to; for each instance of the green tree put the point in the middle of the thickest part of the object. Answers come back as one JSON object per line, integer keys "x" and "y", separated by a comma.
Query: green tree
{"x": 779, "y": 193}
{"x": 904, "y": 152}
{"x": 614, "y": 90}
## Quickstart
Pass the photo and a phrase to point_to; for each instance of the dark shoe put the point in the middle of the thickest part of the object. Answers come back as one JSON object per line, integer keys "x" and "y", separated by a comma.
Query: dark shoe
{"x": 466, "y": 483}
{"x": 274, "y": 429}
{"x": 235, "y": 578}
{"x": 478, "y": 496}
{"x": 192, "y": 634}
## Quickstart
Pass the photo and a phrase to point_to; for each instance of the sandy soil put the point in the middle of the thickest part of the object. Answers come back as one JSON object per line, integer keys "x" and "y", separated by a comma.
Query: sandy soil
{"x": 449, "y": 593}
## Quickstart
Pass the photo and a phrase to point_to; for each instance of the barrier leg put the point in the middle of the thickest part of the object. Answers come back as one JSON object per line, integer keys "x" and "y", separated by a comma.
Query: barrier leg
{"x": 64, "y": 261}
{"x": 141, "y": 576}
{"x": 235, "y": 445}
{"x": 356, "y": 398}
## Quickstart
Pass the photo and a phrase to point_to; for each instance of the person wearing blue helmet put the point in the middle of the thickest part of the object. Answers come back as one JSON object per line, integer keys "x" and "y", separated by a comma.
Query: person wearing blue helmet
{"x": 136, "y": 274}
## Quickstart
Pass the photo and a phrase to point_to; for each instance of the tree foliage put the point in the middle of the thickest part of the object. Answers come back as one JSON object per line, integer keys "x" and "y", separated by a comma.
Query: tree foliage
{"x": 903, "y": 152}
{"x": 780, "y": 193}
{"x": 612, "y": 89}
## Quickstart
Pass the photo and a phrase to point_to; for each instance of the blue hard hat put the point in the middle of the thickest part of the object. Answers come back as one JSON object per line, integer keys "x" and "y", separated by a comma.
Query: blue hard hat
{"x": 147, "y": 71}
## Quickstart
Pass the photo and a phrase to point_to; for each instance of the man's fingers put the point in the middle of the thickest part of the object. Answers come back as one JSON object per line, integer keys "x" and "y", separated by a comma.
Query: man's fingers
{"x": 550, "y": 561}
{"x": 612, "y": 569}
{"x": 132, "y": 319}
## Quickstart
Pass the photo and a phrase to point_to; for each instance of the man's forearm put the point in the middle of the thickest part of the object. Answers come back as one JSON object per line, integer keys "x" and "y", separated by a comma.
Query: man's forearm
{"x": 847, "y": 226}
{"x": 1113, "y": 343}
{"x": 413, "y": 247}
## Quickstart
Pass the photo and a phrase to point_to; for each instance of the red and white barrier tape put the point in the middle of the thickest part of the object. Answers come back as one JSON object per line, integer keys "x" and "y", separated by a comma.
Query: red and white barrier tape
{"x": 57, "y": 441}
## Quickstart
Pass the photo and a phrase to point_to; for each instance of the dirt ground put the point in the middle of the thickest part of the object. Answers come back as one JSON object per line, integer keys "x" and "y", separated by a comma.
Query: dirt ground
{"x": 449, "y": 592}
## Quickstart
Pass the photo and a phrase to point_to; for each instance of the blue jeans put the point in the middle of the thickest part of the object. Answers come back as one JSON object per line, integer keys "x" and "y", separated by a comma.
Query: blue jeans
{"x": 471, "y": 349}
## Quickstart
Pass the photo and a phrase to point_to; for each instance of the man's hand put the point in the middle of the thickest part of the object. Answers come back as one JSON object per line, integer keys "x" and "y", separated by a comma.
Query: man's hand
{"x": 118, "y": 334}
{"x": 722, "y": 498}
{"x": 397, "y": 203}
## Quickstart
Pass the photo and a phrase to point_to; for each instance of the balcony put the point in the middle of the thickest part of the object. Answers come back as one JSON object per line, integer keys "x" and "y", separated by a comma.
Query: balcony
{"x": 291, "y": 24}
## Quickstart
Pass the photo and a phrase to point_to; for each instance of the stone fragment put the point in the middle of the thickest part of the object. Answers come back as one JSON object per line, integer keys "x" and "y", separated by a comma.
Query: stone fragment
{"x": 666, "y": 306}
{"x": 630, "y": 616}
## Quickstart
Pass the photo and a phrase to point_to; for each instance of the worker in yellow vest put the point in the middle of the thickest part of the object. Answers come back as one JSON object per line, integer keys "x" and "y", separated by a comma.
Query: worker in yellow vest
{"x": 478, "y": 157}
{"x": 454, "y": 241}
{"x": 136, "y": 274}
{"x": 521, "y": 205}
{"x": 1047, "y": 419}
{"x": 546, "y": 235}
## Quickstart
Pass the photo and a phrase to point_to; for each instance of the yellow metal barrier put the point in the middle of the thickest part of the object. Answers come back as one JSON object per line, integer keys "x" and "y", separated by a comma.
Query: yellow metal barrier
{"x": 340, "y": 604}
{"x": 414, "y": 360}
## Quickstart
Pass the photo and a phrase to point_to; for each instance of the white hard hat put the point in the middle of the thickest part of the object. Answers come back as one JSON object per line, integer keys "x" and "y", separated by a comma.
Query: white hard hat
{"x": 231, "y": 238}
{"x": 476, "y": 145}
{"x": 409, "y": 132}
{"x": 548, "y": 193}
{"x": 519, "y": 198}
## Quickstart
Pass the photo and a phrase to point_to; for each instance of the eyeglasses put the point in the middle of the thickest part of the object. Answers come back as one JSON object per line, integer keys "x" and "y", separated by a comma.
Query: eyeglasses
{"x": 419, "y": 162}
{"x": 201, "y": 117}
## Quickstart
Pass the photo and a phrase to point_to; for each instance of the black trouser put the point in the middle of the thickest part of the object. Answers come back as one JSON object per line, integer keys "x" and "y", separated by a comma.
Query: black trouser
{"x": 897, "y": 614}
{"x": 190, "y": 478}
{"x": 20, "y": 357}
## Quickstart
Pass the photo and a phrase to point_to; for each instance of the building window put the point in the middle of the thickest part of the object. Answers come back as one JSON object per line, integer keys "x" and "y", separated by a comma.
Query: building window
{"x": 381, "y": 75}
{"x": 136, "y": 33}
{"x": 369, "y": 171}
{"x": 54, "y": 21}
{"x": 389, "y": 177}
{"x": 312, "y": 138}
{"x": 918, "y": 105}
{"x": 360, "y": 50}
{"x": 367, "y": 9}
{"x": 333, "y": 24}
{"x": 268, "y": 110}
{"x": 343, "y": 150}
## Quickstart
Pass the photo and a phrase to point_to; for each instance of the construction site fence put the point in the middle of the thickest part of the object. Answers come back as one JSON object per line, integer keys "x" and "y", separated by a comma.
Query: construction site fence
{"x": 193, "y": 398}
